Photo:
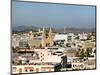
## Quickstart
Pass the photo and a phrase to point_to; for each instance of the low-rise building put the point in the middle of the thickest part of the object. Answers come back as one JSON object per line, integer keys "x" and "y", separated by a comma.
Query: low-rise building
{"x": 20, "y": 69}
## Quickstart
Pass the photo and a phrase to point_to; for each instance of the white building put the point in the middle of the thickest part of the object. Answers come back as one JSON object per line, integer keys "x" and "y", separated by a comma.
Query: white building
{"x": 68, "y": 39}
{"x": 46, "y": 56}
{"x": 16, "y": 39}
{"x": 82, "y": 36}
{"x": 42, "y": 55}
{"x": 18, "y": 69}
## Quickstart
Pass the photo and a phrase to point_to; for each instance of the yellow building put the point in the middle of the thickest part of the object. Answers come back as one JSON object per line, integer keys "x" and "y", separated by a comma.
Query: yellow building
{"x": 41, "y": 40}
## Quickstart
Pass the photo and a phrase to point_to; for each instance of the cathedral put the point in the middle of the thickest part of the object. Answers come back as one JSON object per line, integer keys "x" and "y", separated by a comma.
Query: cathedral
{"x": 40, "y": 39}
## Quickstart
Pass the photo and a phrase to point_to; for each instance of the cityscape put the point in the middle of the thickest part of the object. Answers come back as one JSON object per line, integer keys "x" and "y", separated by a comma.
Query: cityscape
{"x": 40, "y": 48}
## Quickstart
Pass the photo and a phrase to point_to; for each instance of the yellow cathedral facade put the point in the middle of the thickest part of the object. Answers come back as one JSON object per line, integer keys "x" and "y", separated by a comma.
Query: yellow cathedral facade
{"x": 42, "y": 40}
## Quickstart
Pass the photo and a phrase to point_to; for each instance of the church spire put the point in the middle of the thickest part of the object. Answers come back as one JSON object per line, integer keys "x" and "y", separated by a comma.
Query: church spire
{"x": 43, "y": 38}
{"x": 50, "y": 39}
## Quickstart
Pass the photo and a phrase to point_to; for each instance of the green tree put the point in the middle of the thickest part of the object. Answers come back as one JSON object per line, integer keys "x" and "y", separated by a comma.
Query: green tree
{"x": 88, "y": 52}
{"x": 82, "y": 54}
{"x": 15, "y": 50}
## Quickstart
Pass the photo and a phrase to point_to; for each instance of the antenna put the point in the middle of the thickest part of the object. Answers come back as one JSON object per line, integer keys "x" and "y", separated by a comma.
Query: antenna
{"x": 64, "y": 29}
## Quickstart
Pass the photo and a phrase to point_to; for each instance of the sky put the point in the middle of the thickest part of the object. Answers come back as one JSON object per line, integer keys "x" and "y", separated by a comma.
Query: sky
{"x": 52, "y": 15}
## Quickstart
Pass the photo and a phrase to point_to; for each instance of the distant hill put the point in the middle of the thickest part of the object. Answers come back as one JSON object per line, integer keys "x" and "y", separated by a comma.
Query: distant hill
{"x": 24, "y": 28}
{"x": 75, "y": 30}
{"x": 61, "y": 30}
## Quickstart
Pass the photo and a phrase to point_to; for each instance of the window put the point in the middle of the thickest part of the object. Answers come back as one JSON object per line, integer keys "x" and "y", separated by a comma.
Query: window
{"x": 23, "y": 44}
{"x": 31, "y": 70}
{"x": 69, "y": 38}
{"x": 20, "y": 70}
{"x": 14, "y": 69}
{"x": 73, "y": 65}
{"x": 25, "y": 70}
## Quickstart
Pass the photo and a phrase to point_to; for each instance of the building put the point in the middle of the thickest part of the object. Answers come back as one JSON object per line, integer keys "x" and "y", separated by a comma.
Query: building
{"x": 70, "y": 52}
{"x": 31, "y": 40}
{"x": 64, "y": 39}
{"x": 39, "y": 39}
{"x": 20, "y": 69}
{"x": 90, "y": 63}
{"x": 38, "y": 56}
{"x": 83, "y": 36}
{"x": 15, "y": 40}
